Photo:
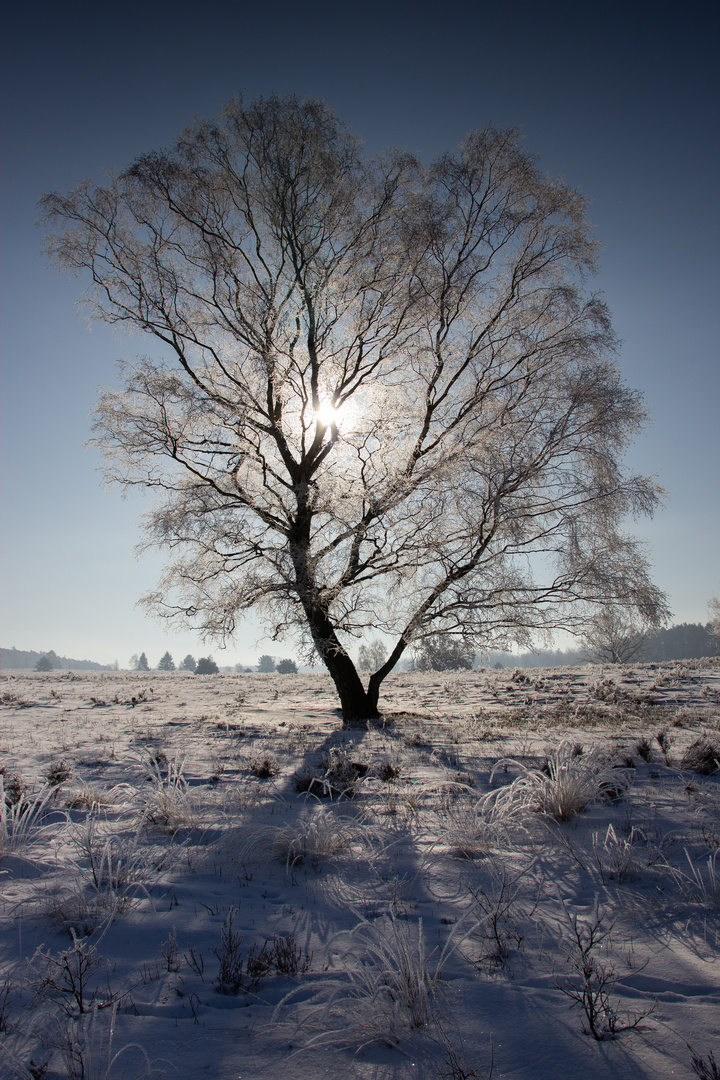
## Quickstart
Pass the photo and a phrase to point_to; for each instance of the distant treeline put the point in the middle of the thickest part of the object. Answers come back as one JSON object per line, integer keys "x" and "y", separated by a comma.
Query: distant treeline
{"x": 685, "y": 641}
{"x": 539, "y": 658}
{"x": 23, "y": 659}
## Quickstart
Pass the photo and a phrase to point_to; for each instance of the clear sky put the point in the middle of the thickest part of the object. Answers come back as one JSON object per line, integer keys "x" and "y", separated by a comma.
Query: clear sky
{"x": 620, "y": 99}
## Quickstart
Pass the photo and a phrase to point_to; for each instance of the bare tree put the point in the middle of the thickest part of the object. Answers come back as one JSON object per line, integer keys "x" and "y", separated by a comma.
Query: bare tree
{"x": 442, "y": 652}
{"x": 714, "y": 613}
{"x": 382, "y": 397}
{"x": 372, "y": 656}
{"x": 615, "y": 637}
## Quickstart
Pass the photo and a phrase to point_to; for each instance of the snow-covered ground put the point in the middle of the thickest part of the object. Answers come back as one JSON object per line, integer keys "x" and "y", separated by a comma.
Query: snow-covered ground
{"x": 206, "y": 877}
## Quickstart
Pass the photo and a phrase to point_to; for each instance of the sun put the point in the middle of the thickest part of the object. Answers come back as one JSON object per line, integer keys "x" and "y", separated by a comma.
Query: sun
{"x": 327, "y": 414}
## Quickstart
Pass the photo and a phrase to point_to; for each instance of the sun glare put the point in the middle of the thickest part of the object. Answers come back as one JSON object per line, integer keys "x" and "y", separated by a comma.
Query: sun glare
{"x": 327, "y": 414}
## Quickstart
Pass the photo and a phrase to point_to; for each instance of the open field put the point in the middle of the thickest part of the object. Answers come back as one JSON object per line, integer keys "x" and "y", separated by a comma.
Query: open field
{"x": 204, "y": 877}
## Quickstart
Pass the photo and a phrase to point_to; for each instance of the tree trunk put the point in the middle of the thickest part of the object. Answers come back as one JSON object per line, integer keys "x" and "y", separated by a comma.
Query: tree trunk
{"x": 357, "y": 706}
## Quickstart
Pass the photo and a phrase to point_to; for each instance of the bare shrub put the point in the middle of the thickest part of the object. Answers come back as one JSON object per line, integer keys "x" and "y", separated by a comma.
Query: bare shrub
{"x": 706, "y": 1070}
{"x": 67, "y": 978}
{"x": 590, "y": 981}
{"x": 230, "y": 973}
{"x": 497, "y": 911}
{"x": 237, "y": 972}
{"x": 87, "y": 1045}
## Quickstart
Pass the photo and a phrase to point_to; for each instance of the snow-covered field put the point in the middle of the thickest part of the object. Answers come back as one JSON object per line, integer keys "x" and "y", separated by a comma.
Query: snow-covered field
{"x": 205, "y": 877}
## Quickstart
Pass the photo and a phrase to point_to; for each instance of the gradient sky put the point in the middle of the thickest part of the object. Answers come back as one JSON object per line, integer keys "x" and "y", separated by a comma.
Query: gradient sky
{"x": 619, "y": 99}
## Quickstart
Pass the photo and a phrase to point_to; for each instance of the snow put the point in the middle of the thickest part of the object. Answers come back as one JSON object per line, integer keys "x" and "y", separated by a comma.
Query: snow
{"x": 418, "y": 916}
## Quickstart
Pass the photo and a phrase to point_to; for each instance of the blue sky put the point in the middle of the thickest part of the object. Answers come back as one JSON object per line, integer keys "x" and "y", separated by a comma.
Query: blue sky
{"x": 621, "y": 100}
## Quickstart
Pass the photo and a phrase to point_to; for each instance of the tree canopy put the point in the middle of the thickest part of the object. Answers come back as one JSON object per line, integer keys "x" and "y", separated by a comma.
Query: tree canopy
{"x": 206, "y": 666}
{"x": 442, "y": 652}
{"x": 383, "y": 398}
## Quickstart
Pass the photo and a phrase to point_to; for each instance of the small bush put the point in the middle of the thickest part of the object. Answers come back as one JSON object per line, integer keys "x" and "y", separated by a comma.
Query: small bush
{"x": 13, "y": 787}
{"x": 58, "y": 772}
{"x": 238, "y": 973}
{"x": 230, "y": 974}
{"x": 388, "y": 772}
{"x": 264, "y": 767}
{"x": 591, "y": 979}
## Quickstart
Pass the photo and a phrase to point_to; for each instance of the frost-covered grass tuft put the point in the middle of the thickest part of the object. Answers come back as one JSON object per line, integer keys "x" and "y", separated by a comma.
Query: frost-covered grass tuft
{"x": 110, "y": 873}
{"x": 168, "y": 803}
{"x": 567, "y": 784}
{"x": 700, "y": 886}
{"x": 316, "y": 834}
{"x": 87, "y": 1044}
{"x": 384, "y": 987}
{"x": 21, "y": 822}
{"x": 703, "y": 757}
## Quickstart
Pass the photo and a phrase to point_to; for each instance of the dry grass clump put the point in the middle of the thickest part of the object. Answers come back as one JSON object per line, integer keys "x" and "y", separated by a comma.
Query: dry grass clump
{"x": 58, "y": 772}
{"x": 473, "y": 831}
{"x": 264, "y": 767}
{"x": 316, "y": 834}
{"x": 21, "y": 820}
{"x": 703, "y": 757}
{"x": 337, "y": 776}
{"x": 384, "y": 989}
{"x": 110, "y": 873}
{"x": 564, "y": 787}
{"x": 167, "y": 803}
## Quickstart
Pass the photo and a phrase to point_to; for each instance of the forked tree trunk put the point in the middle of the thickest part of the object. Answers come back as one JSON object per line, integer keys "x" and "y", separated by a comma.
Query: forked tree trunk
{"x": 356, "y": 704}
